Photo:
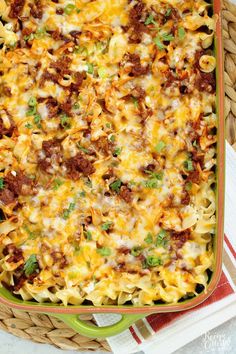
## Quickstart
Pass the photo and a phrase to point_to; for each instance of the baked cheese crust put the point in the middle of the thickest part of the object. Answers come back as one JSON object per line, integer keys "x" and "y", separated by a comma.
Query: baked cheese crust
{"x": 107, "y": 149}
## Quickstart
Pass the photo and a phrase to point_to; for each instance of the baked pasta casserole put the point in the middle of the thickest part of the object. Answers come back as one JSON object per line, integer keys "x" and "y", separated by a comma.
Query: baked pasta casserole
{"x": 107, "y": 150}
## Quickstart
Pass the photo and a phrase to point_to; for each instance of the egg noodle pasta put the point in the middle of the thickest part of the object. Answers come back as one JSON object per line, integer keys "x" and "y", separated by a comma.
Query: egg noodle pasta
{"x": 107, "y": 150}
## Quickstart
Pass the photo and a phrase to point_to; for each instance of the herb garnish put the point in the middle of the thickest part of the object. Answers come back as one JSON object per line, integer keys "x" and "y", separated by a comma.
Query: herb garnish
{"x": 153, "y": 182}
{"x": 117, "y": 152}
{"x": 90, "y": 68}
{"x": 32, "y": 111}
{"x": 136, "y": 251}
{"x": 112, "y": 138}
{"x": 88, "y": 235}
{"x": 1, "y": 183}
{"x": 149, "y": 238}
{"x": 104, "y": 251}
{"x": 115, "y": 186}
{"x": 188, "y": 165}
{"x": 150, "y": 20}
{"x": 57, "y": 183}
{"x": 102, "y": 72}
{"x": 66, "y": 212}
{"x": 188, "y": 186}
{"x": 153, "y": 261}
{"x": 160, "y": 146}
{"x": 31, "y": 265}
{"x": 161, "y": 238}
{"x": 31, "y": 234}
{"x": 86, "y": 151}
{"x": 65, "y": 121}
{"x": 28, "y": 125}
{"x": 181, "y": 32}
{"x": 167, "y": 37}
{"x": 135, "y": 102}
{"x": 159, "y": 43}
{"x": 69, "y": 9}
{"x": 168, "y": 12}
{"x": 107, "y": 225}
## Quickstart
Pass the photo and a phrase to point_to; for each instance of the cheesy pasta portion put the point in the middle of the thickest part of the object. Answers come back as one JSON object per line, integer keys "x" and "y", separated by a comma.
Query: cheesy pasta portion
{"x": 107, "y": 150}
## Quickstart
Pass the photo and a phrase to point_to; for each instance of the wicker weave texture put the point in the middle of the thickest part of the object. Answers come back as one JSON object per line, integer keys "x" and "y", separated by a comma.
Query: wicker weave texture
{"x": 229, "y": 34}
{"x": 45, "y": 329}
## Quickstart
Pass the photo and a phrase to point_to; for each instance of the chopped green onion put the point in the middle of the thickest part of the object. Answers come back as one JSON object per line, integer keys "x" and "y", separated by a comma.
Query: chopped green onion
{"x": 102, "y": 72}
{"x": 66, "y": 212}
{"x": 57, "y": 183}
{"x": 82, "y": 194}
{"x": 78, "y": 11}
{"x": 153, "y": 261}
{"x": 31, "y": 265}
{"x": 155, "y": 175}
{"x": 162, "y": 233}
{"x": 131, "y": 184}
{"x": 28, "y": 125}
{"x": 29, "y": 37}
{"x": 160, "y": 146}
{"x": 65, "y": 121}
{"x": 107, "y": 225}
{"x": 135, "y": 102}
{"x": 72, "y": 206}
{"x": 115, "y": 186}
{"x": 188, "y": 186}
{"x": 90, "y": 68}
{"x": 158, "y": 43}
{"x": 104, "y": 251}
{"x": 40, "y": 32}
{"x": 168, "y": 12}
{"x": 31, "y": 234}
{"x": 112, "y": 138}
{"x": 167, "y": 37}
{"x": 195, "y": 144}
{"x": 76, "y": 105}
{"x": 188, "y": 165}
{"x": 37, "y": 120}
{"x": 150, "y": 20}
{"x": 108, "y": 125}
{"x": 181, "y": 32}
{"x": 149, "y": 238}
{"x": 117, "y": 151}
{"x": 151, "y": 183}
{"x": 1, "y": 183}
{"x": 88, "y": 235}
{"x": 69, "y": 9}
{"x": 81, "y": 50}
{"x": 32, "y": 102}
{"x": 88, "y": 183}
{"x": 136, "y": 251}
{"x": 31, "y": 111}
{"x": 86, "y": 151}
{"x": 161, "y": 241}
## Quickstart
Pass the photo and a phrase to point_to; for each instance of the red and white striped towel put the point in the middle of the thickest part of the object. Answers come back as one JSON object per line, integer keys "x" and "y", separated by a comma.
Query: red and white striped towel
{"x": 164, "y": 332}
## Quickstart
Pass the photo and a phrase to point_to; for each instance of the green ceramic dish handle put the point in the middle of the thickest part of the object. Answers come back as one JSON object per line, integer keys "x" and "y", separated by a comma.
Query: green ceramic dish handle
{"x": 93, "y": 331}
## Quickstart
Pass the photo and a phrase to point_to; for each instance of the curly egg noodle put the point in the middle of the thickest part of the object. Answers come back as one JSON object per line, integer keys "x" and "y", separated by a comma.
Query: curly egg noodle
{"x": 107, "y": 150}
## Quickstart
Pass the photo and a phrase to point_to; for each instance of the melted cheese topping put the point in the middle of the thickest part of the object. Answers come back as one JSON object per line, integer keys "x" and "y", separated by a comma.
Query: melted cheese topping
{"x": 107, "y": 149}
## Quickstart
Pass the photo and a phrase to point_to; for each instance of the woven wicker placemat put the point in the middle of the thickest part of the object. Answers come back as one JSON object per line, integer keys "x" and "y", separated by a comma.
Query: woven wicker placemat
{"x": 229, "y": 34}
{"x": 45, "y": 329}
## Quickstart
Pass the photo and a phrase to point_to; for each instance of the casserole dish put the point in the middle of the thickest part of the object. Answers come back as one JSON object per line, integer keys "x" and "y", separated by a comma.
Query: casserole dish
{"x": 69, "y": 314}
